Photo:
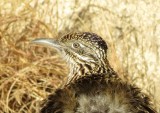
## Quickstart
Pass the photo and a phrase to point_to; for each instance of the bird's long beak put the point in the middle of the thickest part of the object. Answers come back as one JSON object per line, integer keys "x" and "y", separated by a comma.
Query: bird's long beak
{"x": 49, "y": 42}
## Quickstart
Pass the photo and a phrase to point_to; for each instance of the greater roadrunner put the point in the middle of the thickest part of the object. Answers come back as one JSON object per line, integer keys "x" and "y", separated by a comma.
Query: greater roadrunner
{"x": 92, "y": 85}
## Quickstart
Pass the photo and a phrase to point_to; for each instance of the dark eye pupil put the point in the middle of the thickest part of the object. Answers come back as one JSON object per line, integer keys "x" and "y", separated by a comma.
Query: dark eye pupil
{"x": 75, "y": 45}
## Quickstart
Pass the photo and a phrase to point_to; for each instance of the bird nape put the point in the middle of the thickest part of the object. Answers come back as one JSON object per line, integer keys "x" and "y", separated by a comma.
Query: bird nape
{"x": 92, "y": 85}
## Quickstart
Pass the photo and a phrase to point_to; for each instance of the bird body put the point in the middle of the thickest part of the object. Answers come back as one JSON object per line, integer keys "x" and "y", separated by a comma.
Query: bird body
{"x": 98, "y": 94}
{"x": 92, "y": 85}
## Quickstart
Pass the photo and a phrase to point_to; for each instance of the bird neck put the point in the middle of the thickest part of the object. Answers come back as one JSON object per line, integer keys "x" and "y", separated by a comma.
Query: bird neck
{"x": 78, "y": 70}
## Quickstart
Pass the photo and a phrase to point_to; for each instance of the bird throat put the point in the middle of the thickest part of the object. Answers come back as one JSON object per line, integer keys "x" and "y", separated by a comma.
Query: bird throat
{"x": 78, "y": 70}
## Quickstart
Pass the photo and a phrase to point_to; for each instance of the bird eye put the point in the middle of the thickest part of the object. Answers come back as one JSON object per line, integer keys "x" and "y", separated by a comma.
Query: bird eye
{"x": 76, "y": 45}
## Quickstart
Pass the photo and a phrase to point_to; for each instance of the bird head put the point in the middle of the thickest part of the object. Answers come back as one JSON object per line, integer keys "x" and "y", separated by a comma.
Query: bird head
{"x": 82, "y": 49}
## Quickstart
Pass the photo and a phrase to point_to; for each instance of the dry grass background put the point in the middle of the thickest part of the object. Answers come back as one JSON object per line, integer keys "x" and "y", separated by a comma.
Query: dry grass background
{"x": 28, "y": 73}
